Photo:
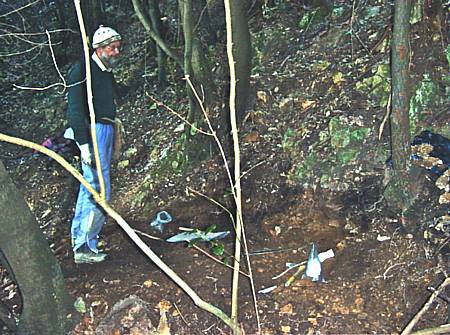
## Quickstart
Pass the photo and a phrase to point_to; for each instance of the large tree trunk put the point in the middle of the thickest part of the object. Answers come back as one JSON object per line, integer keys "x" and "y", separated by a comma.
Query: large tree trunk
{"x": 242, "y": 53}
{"x": 398, "y": 192}
{"x": 400, "y": 95}
{"x": 46, "y": 303}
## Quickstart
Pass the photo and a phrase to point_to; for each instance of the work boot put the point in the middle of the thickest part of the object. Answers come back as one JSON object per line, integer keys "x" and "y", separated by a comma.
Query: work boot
{"x": 88, "y": 257}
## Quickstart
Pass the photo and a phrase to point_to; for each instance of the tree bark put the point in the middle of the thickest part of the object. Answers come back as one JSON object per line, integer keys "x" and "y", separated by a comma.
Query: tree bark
{"x": 400, "y": 78}
{"x": 242, "y": 53}
{"x": 398, "y": 190}
{"x": 46, "y": 304}
{"x": 155, "y": 18}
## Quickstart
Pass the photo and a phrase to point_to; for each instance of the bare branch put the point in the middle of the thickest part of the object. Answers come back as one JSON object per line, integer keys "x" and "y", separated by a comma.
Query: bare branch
{"x": 20, "y": 8}
{"x": 160, "y": 104}
{"x": 425, "y": 307}
{"x": 37, "y": 33}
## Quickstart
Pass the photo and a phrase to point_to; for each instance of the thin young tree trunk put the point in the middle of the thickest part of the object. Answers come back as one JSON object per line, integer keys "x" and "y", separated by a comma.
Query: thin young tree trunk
{"x": 158, "y": 40}
{"x": 155, "y": 17}
{"x": 186, "y": 13}
{"x": 237, "y": 170}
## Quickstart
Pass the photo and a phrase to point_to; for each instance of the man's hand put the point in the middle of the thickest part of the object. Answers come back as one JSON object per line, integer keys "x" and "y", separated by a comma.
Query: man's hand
{"x": 86, "y": 156}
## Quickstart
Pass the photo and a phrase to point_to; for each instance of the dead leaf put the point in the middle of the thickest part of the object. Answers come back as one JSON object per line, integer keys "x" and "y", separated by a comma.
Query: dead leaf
{"x": 286, "y": 329}
{"x": 148, "y": 283}
{"x": 308, "y": 103}
{"x": 252, "y": 137}
{"x": 262, "y": 96}
{"x": 444, "y": 198}
{"x": 164, "y": 305}
{"x": 287, "y": 309}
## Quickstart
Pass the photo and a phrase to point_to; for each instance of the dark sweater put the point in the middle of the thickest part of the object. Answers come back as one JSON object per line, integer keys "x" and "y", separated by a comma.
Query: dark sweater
{"x": 103, "y": 98}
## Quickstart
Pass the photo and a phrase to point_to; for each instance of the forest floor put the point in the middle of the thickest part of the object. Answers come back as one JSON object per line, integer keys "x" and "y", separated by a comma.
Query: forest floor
{"x": 381, "y": 272}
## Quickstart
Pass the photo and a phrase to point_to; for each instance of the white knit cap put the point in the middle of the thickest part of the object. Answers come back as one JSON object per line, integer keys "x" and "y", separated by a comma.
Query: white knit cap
{"x": 103, "y": 36}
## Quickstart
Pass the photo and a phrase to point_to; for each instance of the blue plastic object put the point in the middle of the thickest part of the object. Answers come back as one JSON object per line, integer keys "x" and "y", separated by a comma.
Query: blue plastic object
{"x": 160, "y": 220}
{"x": 204, "y": 237}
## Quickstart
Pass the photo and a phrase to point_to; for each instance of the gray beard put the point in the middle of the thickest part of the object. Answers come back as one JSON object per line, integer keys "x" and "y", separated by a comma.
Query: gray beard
{"x": 110, "y": 62}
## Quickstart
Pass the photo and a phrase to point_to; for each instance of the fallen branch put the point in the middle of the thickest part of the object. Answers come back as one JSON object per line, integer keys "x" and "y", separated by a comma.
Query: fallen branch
{"x": 425, "y": 307}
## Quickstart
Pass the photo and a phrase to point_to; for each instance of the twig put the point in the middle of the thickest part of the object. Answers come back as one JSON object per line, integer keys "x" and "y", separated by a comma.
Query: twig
{"x": 386, "y": 117}
{"x": 287, "y": 270}
{"x": 219, "y": 145}
{"x": 252, "y": 167}
{"x": 48, "y": 87}
{"x": 54, "y": 58}
{"x": 216, "y": 203}
{"x": 217, "y": 260}
{"x": 37, "y": 34}
{"x": 446, "y": 241}
{"x": 425, "y": 307}
{"x": 160, "y": 104}
{"x": 147, "y": 235}
{"x": 181, "y": 315}
{"x": 19, "y": 52}
{"x": 19, "y": 9}
{"x": 351, "y": 25}
{"x": 284, "y": 62}
{"x": 384, "y": 276}
{"x": 63, "y": 80}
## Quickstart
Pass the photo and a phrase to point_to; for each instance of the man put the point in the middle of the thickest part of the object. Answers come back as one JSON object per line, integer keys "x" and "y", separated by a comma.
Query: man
{"x": 89, "y": 217}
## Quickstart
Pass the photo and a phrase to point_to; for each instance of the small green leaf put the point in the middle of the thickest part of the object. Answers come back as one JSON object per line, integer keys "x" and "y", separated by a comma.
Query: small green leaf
{"x": 80, "y": 305}
{"x": 218, "y": 250}
{"x": 194, "y": 242}
{"x": 194, "y": 129}
{"x": 211, "y": 228}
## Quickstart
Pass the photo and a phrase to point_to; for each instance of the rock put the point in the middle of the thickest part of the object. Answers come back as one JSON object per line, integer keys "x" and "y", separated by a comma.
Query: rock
{"x": 128, "y": 316}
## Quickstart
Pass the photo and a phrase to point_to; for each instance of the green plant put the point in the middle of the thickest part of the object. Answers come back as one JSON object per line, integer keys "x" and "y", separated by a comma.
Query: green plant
{"x": 378, "y": 85}
{"x": 423, "y": 98}
{"x": 287, "y": 142}
{"x": 218, "y": 249}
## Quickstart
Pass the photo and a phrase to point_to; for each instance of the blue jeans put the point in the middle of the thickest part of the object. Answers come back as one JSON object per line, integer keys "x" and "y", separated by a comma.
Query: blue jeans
{"x": 89, "y": 217}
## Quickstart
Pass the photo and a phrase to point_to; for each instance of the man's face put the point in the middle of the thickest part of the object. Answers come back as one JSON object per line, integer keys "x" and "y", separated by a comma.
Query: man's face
{"x": 109, "y": 54}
